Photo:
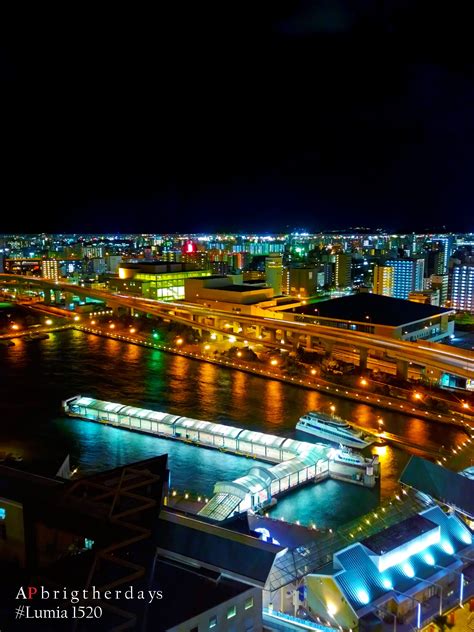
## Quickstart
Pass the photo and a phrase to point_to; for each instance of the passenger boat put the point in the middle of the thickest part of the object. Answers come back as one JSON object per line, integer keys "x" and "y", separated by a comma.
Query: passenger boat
{"x": 332, "y": 429}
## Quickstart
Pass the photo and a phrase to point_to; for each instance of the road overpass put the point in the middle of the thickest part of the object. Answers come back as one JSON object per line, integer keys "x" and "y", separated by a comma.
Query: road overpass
{"x": 276, "y": 332}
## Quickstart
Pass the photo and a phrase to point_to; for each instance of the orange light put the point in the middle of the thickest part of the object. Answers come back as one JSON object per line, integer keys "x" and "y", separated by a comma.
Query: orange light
{"x": 15, "y": 326}
{"x": 207, "y": 347}
{"x": 465, "y": 405}
{"x": 92, "y": 322}
{"x": 313, "y": 371}
{"x": 274, "y": 362}
{"x": 417, "y": 396}
{"x": 179, "y": 341}
{"x": 76, "y": 318}
{"x": 112, "y": 326}
{"x": 133, "y": 330}
{"x": 332, "y": 409}
{"x": 363, "y": 381}
{"x": 239, "y": 354}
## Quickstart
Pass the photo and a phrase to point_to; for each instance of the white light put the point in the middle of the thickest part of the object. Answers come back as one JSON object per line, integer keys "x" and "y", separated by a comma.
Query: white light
{"x": 447, "y": 547}
{"x": 429, "y": 559}
{"x": 363, "y": 596}
{"x": 466, "y": 537}
{"x": 331, "y": 608}
{"x": 387, "y": 584}
{"x": 408, "y": 570}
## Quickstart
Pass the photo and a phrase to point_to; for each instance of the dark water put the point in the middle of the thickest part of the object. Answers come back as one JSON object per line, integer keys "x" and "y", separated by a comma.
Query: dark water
{"x": 37, "y": 376}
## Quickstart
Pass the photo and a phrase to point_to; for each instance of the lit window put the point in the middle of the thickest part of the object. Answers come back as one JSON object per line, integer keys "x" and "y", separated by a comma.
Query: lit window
{"x": 231, "y": 612}
{"x": 212, "y": 622}
{"x": 248, "y": 603}
{"x": 3, "y": 513}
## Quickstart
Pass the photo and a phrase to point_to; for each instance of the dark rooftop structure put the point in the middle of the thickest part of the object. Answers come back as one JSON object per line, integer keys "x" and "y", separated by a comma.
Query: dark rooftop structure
{"x": 238, "y": 555}
{"x": 372, "y": 308}
{"x": 398, "y": 534}
{"x": 443, "y": 485}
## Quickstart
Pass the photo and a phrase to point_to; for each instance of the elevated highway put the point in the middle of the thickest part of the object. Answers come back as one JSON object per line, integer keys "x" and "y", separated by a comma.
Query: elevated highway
{"x": 279, "y": 333}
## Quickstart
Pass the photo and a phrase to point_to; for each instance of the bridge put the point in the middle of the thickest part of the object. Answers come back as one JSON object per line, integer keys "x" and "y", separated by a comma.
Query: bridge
{"x": 276, "y": 332}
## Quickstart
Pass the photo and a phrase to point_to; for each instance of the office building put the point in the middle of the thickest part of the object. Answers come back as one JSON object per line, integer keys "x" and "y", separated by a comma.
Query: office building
{"x": 158, "y": 280}
{"x": 342, "y": 270}
{"x": 383, "y": 280}
{"x": 274, "y": 273}
{"x": 300, "y": 281}
{"x": 462, "y": 288}
{"x": 407, "y": 275}
{"x": 50, "y": 269}
{"x": 440, "y": 282}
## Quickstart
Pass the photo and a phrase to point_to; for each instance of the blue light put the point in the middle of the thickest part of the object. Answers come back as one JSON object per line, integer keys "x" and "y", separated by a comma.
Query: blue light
{"x": 3, "y": 513}
{"x": 447, "y": 547}
{"x": 408, "y": 570}
{"x": 387, "y": 584}
{"x": 363, "y": 596}
{"x": 466, "y": 537}
{"x": 429, "y": 559}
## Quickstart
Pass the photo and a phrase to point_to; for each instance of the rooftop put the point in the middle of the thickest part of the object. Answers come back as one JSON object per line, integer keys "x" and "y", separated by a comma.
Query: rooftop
{"x": 372, "y": 308}
{"x": 398, "y": 534}
{"x": 455, "y": 490}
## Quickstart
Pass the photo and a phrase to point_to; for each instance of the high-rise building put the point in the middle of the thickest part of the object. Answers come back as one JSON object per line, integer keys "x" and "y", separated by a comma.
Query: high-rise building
{"x": 300, "y": 281}
{"x": 112, "y": 263}
{"x": 274, "y": 273}
{"x": 407, "y": 275}
{"x": 50, "y": 269}
{"x": 462, "y": 288}
{"x": 440, "y": 282}
{"x": 342, "y": 271}
{"x": 383, "y": 280}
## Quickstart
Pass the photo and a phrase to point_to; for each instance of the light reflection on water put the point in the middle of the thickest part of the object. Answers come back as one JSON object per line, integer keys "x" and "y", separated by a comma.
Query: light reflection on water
{"x": 38, "y": 376}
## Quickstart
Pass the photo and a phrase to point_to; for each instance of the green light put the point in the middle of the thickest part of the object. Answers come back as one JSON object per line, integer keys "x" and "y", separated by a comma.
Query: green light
{"x": 155, "y": 335}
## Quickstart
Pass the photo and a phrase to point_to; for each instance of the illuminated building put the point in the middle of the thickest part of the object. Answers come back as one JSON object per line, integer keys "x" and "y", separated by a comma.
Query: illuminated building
{"x": 155, "y": 279}
{"x": 380, "y": 315}
{"x": 50, "y": 269}
{"x": 407, "y": 276}
{"x": 220, "y": 292}
{"x": 462, "y": 288}
{"x": 69, "y": 530}
{"x": 274, "y": 273}
{"x": 440, "y": 282}
{"x": 300, "y": 281}
{"x": 398, "y": 570}
{"x": 383, "y": 280}
{"x": 342, "y": 270}
{"x": 428, "y": 297}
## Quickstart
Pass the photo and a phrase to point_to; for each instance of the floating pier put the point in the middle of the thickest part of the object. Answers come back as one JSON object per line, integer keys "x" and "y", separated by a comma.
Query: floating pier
{"x": 295, "y": 463}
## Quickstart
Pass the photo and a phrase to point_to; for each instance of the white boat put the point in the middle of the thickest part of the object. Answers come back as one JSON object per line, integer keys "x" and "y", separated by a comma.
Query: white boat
{"x": 333, "y": 429}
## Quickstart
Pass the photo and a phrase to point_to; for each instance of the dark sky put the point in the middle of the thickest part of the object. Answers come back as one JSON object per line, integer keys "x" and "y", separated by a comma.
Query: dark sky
{"x": 253, "y": 116}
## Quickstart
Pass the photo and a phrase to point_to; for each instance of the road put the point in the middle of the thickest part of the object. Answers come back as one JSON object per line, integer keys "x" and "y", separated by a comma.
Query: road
{"x": 433, "y": 356}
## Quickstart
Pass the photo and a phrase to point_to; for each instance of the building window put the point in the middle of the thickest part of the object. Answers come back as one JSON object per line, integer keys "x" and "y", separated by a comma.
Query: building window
{"x": 231, "y": 612}
{"x": 3, "y": 513}
{"x": 212, "y": 622}
{"x": 248, "y": 603}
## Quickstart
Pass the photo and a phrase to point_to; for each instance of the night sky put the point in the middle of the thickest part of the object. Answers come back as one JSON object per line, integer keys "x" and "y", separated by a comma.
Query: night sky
{"x": 317, "y": 115}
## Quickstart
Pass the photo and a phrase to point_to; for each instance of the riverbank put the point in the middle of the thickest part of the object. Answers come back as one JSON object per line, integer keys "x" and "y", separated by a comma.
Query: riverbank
{"x": 322, "y": 385}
